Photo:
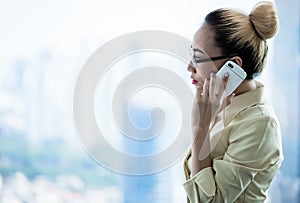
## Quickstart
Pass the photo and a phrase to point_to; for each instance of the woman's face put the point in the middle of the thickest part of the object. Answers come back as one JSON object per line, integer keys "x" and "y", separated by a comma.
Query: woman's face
{"x": 205, "y": 47}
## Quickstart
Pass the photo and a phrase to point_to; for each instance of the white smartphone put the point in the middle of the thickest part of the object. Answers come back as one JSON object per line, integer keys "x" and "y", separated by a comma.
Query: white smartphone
{"x": 236, "y": 76}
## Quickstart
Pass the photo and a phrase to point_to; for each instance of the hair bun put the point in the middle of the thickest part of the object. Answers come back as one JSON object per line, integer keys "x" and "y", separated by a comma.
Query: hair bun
{"x": 264, "y": 19}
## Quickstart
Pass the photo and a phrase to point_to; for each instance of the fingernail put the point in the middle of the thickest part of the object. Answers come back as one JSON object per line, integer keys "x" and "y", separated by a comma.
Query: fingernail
{"x": 226, "y": 75}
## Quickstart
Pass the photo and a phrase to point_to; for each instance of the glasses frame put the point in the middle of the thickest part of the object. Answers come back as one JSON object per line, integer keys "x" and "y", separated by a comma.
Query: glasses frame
{"x": 196, "y": 61}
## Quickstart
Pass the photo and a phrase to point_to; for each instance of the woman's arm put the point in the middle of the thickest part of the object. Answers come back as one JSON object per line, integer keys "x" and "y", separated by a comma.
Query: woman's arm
{"x": 200, "y": 151}
{"x": 209, "y": 101}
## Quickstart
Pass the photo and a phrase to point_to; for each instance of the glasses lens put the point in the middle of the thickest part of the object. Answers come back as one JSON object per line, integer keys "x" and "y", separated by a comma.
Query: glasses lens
{"x": 192, "y": 55}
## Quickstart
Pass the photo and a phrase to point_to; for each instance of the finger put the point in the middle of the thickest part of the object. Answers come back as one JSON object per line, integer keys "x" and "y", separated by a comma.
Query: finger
{"x": 218, "y": 86}
{"x": 212, "y": 84}
{"x": 198, "y": 92}
{"x": 225, "y": 80}
{"x": 205, "y": 92}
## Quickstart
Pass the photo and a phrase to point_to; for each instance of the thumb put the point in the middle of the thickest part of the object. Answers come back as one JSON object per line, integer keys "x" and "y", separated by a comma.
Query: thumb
{"x": 229, "y": 99}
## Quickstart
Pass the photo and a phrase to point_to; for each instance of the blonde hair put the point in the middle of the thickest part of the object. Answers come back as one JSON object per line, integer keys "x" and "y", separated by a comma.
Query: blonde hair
{"x": 237, "y": 33}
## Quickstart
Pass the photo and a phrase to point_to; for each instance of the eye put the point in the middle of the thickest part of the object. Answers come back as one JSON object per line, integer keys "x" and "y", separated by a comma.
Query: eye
{"x": 198, "y": 54}
{"x": 197, "y": 57}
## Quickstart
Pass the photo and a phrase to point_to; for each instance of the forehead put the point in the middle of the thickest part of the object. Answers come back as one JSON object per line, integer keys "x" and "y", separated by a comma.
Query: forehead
{"x": 203, "y": 39}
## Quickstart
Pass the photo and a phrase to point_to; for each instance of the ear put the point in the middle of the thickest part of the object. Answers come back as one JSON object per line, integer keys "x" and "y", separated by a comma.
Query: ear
{"x": 237, "y": 60}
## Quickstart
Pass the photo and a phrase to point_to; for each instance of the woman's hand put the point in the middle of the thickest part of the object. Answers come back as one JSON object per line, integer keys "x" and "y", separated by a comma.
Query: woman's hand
{"x": 210, "y": 101}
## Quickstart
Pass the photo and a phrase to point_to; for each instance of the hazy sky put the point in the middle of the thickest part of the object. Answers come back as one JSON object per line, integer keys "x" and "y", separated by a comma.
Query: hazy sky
{"x": 57, "y": 37}
{"x": 28, "y": 27}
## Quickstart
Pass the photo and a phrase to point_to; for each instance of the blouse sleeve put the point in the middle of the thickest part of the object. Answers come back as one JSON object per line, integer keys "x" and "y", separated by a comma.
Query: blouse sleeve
{"x": 253, "y": 147}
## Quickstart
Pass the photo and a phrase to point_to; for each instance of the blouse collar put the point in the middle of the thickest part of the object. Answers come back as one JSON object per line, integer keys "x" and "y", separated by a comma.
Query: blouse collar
{"x": 241, "y": 102}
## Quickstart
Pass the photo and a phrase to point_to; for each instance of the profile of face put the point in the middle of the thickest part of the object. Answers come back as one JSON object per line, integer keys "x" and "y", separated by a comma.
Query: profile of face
{"x": 204, "y": 47}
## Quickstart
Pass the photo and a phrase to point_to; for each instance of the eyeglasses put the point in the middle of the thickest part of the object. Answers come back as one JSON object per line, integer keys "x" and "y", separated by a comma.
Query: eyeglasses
{"x": 195, "y": 59}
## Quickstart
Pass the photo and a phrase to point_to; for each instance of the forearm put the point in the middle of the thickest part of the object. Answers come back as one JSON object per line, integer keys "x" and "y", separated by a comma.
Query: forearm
{"x": 200, "y": 151}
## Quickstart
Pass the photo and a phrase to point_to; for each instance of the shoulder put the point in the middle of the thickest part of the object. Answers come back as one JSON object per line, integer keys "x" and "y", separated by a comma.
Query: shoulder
{"x": 255, "y": 136}
{"x": 262, "y": 111}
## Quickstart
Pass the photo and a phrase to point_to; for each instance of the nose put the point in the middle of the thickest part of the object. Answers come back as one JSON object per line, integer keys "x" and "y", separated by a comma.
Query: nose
{"x": 191, "y": 68}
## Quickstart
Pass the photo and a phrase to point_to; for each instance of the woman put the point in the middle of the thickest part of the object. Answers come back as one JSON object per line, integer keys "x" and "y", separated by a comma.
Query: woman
{"x": 236, "y": 163}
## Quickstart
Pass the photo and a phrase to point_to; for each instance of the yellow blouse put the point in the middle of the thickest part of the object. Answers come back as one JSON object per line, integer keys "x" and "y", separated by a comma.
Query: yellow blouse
{"x": 246, "y": 153}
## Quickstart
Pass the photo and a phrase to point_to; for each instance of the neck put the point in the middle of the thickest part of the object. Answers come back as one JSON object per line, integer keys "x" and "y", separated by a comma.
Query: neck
{"x": 246, "y": 86}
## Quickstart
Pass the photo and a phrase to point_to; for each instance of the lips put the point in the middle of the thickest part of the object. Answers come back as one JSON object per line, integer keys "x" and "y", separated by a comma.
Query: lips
{"x": 194, "y": 82}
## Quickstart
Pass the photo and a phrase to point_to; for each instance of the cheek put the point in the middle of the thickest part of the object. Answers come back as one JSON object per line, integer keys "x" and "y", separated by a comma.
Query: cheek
{"x": 204, "y": 70}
